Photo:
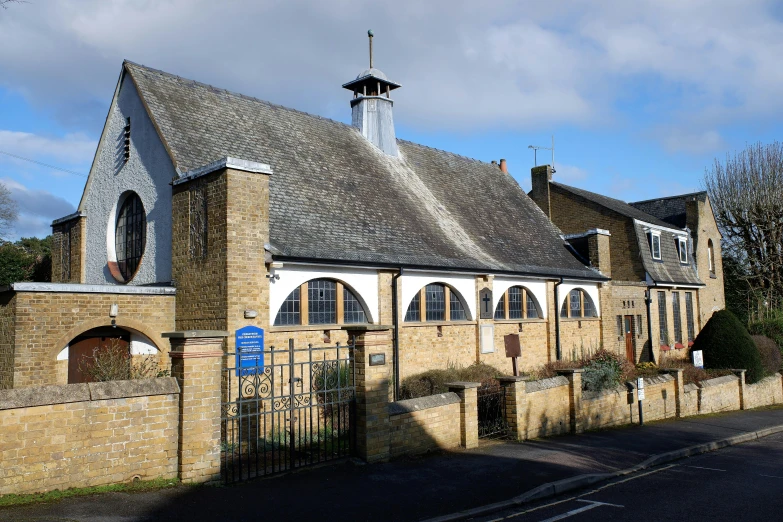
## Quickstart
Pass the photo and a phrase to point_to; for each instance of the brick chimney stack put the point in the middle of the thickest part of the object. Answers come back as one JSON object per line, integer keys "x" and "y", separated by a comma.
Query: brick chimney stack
{"x": 541, "y": 176}
{"x": 503, "y": 166}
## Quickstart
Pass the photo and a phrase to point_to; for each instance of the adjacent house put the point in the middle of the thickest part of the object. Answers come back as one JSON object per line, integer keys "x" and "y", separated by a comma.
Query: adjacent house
{"x": 663, "y": 257}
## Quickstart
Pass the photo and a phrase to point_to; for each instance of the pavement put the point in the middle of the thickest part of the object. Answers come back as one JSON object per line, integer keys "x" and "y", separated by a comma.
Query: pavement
{"x": 444, "y": 485}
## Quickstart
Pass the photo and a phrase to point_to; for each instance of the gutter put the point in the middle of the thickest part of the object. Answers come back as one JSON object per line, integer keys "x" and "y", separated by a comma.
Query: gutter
{"x": 558, "y": 353}
{"x": 396, "y": 340}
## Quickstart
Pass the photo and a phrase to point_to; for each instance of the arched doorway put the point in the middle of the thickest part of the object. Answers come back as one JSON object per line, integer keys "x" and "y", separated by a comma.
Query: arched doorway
{"x": 93, "y": 345}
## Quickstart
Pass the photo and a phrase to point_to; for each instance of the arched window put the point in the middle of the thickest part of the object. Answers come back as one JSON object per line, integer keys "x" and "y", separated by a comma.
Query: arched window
{"x": 441, "y": 303}
{"x": 710, "y": 257}
{"x": 130, "y": 235}
{"x": 578, "y": 305}
{"x": 517, "y": 303}
{"x": 321, "y": 301}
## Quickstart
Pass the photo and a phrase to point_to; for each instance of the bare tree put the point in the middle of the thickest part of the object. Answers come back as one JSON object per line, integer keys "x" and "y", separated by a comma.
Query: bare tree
{"x": 746, "y": 192}
{"x": 4, "y": 3}
{"x": 8, "y": 211}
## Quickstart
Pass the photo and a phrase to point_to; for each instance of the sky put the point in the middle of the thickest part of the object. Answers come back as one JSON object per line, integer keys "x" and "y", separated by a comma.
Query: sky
{"x": 640, "y": 96}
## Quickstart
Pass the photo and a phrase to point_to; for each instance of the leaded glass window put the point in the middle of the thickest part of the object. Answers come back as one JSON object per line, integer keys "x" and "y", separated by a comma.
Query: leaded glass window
{"x": 65, "y": 252}
{"x": 289, "y": 311}
{"x": 578, "y": 305}
{"x": 352, "y": 308}
{"x": 321, "y": 302}
{"x": 130, "y": 236}
{"x": 435, "y": 302}
{"x": 515, "y": 302}
{"x": 414, "y": 309}
{"x": 689, "y": 316}
{"x": 677, "y": 318}
{"x": 532, "y": 307}
{"x": 500, "y": 309}
{"x": 589, "y": 307}
{"x": 198, "y": 219}
{"x": 457, "y": 312}
{"x": 663, "y": 326}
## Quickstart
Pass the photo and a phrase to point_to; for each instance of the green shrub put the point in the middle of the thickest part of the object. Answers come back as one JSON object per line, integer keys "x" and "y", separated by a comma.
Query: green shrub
{"x": 771, "y": 327}
{"x": 725, "y": 343}
{"x": 605, "y": 370}
{"x": 434, "y": 381}
{"x": 769, "y": 353}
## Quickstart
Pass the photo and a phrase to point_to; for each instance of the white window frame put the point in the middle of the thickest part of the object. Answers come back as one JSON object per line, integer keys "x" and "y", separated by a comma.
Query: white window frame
{"x": 653, "y": 236}
{"x": 683, "y": 248}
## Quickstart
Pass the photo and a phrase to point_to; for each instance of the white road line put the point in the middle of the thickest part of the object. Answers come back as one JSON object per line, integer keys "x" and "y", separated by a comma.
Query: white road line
{"x": 710, "y": 469}
{"x": 591, "y": 505}
{"x": 602, "y": 503}
{"x": 770, "y": 476}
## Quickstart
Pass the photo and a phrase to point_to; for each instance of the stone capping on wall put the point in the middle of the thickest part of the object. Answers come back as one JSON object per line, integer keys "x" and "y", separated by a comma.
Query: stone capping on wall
{"x": 77, "y": 288}
{"x": 717, "y": 381}
{"x": 96, "y": 391}
{"x": 69, "y": 217}
{"x": 422, "y": 403}
{"x": 545, "y": 384}
{"x": 690, "y": 387}
{"x": 224, "y": 163}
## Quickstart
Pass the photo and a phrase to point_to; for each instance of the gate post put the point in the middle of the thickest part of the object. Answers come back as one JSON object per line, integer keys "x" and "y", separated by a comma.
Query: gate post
{"x": 196, "y": 362}
{"x": 468, "y": 412}
{"x": 574, "y": 398}
{"x": 373, "y": 370}
{"x": 515, "y": 389}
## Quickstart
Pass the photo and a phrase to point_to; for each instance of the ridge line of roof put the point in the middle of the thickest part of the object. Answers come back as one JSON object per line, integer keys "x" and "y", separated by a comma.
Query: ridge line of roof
{"x": 669, "y": 197}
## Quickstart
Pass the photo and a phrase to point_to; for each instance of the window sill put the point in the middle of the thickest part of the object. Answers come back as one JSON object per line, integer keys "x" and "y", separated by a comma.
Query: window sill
{"x": 437, "y": 323}
{"x": 311, "y": 327}
{"x": 569, "y": 319}
{"x": 516, "y": 321}
{"x": 713, "y": 276}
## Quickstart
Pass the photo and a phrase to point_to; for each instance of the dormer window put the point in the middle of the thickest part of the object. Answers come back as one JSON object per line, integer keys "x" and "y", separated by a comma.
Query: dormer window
{"x": 683, "y": 249}
{"x": 655, "y": 245}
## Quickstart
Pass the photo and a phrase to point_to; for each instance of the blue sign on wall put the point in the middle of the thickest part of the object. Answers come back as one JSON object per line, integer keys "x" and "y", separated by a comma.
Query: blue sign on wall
{"x": 249, "y": 350}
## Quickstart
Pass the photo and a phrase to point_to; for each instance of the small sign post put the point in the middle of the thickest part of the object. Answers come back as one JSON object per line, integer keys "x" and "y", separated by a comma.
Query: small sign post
{"x": 698, "y": 359}
{"x": 249, "y": 350}
{"x": 640, "y": 396}
{"x": 513, "y": 350}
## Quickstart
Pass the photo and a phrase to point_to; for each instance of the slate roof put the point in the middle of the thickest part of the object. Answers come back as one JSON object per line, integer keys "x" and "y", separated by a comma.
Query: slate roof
{"x": 668, "y": 269}
{"x": 671, "y": 209}
{"x": 336, "y": 197}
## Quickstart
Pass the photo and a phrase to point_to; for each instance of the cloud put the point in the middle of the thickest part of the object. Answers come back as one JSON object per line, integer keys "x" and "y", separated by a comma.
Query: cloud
{"x": 465, "y": 66}
{"x": 37, "y": 209}
{"x": 72, "y": 149}
{"x": 681, "y": 140}
{"x": 570, "y": 174}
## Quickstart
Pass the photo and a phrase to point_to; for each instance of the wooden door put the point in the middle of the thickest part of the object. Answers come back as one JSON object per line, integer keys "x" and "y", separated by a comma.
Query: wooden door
{"x": 628, "y": 325}
{"x": 82, "y": 351}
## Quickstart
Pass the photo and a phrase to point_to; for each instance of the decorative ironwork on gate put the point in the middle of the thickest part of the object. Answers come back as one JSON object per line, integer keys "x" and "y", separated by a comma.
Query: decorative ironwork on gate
{"x": 295, "y": 409}
{"x": 492, "y": 411}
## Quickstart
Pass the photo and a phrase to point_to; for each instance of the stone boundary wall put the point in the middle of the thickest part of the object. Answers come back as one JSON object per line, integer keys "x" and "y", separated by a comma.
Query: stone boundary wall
{"x": 419, "y": 425}
{"x": 608, "y": 408}
{"x": 547, "y": 408}
{"x": 766, "y": 392}
{"x": 719, "y": 394}
{"x": 81, "y": 435}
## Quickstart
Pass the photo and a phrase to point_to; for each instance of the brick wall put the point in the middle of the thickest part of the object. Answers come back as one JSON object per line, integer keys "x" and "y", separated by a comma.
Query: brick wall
{"x": 422, "y": 349}
{"x": 579, "y": 337}
{"x": 70, "y": 236}
{"x": 660, "y": 400}
{"x": 719, "y": 394}
{"x": 608, "y": 408}
{"x": 80, "y": 435}
{"x": 701, "y": 221}
{"x": 547, "y": 408}
{"x": 45, "y": 322}
{"x": 533, "y": 340}
{"x": 419, "y": 425}
{"x": 689, "y": 405}
{"x": 765, "y": 392}
{"x": 7, "y": 339}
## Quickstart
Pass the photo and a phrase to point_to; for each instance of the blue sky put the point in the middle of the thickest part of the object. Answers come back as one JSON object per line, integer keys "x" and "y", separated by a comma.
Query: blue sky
{"x": 640, "y": 96}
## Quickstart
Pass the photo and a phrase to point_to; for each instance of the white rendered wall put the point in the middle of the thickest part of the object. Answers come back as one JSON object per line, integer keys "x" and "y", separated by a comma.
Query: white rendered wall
{"x": 465, "y": 285}
{"x": 590, "y": 289}
{"x": 535, "y": 287}
{"x": 148, "y": 173}
{"x": 362, "y": 282}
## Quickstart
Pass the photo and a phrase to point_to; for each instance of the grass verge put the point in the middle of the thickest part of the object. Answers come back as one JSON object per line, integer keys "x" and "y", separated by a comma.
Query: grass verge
{"x": 57, "y": 495}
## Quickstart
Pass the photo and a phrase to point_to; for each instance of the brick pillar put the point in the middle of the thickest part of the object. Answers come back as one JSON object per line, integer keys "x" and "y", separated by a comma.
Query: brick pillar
{"x": 575, "y": 398}
{"x": 742, "y": 395}
{"x": 196, "y": 362}
{"x": 468, "y": 411}
{"x": 516, "y": 405}
{"x": 679, "y": 388}
{"x": 373, "y": 358}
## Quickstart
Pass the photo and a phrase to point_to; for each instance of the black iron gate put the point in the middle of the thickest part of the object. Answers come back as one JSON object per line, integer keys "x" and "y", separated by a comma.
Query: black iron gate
{"x": 492, "y": 411}
{"x": 296, "y": 410}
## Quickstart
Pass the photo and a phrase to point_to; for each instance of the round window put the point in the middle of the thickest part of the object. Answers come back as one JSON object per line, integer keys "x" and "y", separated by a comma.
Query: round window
{"x": 130, "y": 236}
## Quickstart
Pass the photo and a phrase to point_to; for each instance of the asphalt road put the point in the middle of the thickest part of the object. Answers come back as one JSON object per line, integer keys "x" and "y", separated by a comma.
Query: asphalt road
{"x": 742, "y": 483}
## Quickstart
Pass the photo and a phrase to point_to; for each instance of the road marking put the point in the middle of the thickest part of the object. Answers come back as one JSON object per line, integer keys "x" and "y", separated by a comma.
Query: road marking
{"x": 770, "y": 476}
{"x": 591, "y": 505}
{"x": 700, "y": 467}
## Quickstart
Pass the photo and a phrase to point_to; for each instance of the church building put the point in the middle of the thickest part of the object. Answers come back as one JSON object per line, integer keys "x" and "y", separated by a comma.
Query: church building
{"x": 212, "y": 210}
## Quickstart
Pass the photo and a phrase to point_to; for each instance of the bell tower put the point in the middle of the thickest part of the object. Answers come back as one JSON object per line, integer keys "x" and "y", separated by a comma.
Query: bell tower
{"x": 371, "y": 107}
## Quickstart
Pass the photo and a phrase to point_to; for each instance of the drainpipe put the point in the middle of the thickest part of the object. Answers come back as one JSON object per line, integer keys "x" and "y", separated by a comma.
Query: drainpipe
{"x": 396, "y": 343}
{"x": 557, "y": 320}
{"x": 648, "y": 302}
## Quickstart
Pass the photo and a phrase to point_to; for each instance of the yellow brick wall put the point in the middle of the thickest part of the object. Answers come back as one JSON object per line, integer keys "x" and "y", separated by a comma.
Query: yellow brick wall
{"x": 701, "y": 221}
{"x": 660, "y": 400}
{"x": 579, "y": 338}
{"x": 607, "y": 408}
{"x": 689, "y": 405}
{"x": 421, "y": 348}
{"x": 547, "y": 410}
{"x": 45, "y": 322}
{"x": 765, "y": 392}
{"x": 75, "y": 229}
{"x": 423, "y": 430}
{"x": 533, "y": 340}
{"x": 719, "y": 394}
{"x": 88, "y": 443}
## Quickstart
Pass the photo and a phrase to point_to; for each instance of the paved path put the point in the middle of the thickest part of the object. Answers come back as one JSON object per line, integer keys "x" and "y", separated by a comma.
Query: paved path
{"x": 409, "y": 489}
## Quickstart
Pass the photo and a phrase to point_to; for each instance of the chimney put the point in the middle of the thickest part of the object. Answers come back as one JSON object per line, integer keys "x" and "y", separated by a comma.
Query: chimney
{"x": 503, "y": 166}
{"x": 540, "y": 177}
